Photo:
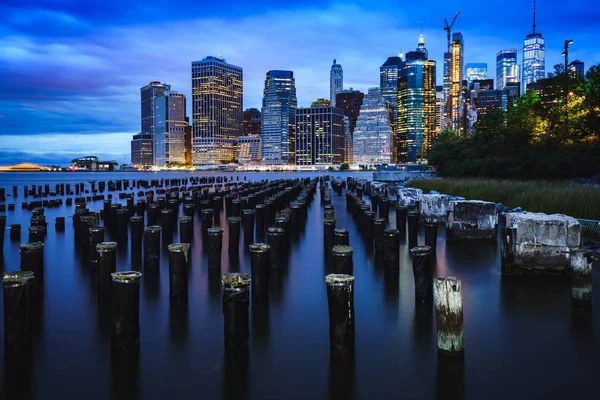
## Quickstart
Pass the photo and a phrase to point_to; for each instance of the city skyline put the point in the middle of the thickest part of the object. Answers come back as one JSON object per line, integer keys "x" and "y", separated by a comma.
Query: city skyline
{"x": 89, "y": 94}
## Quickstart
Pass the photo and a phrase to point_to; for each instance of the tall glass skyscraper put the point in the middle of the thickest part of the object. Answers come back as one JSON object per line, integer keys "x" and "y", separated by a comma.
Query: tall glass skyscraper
{"x": 277, "y": 118}
{"x": 475, "y": 72}
{"x": 534, "y": 56}
{"x": 319, "y": 135}
{"x": 372, "y": 138}
{"x": 149, "y": 94}
{"x": 456, "y": 68}
{"x": 336, "y": 81}
{"x": 171, "y": 124}
{"x": 217, "y": 110}
{"x": 388, "y": 80}
{"x": 416, "y": 121}
{"x": 507, "y": 69}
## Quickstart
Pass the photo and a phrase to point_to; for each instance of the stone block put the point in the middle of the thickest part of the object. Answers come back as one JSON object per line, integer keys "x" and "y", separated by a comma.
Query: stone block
{"x": 471, "y": 219}
{"x": 434, "y": 207}
{"x": 409, "y": 197}
{"x": 539, "y": 243}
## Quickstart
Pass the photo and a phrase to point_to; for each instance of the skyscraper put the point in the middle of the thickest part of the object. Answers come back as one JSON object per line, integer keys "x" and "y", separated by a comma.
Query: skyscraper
{"x": 170, "y": 128}
{"x": 277, "y": 121}
{"x": 388, "y": 80}
{"x": 148, "y": 94}
{"x": 475, "y": 72}
{"x": 578, "y": 67}
{"x": 319, "y": 135}
{"x": 142, "y": 150}
{"x": 252, "y": 122}
{"x": 457, "y": 68}
{"x": 440, "y": 106}
{"x": 416, "y": 121}
{"x": 507, "y": 69}
{"x": 372, "y": 138}
{"x": 336, "y": 81}
{"x": 350, "y": 101}
{"x": 216, "y": 110}
{"x": 534, "y": 57}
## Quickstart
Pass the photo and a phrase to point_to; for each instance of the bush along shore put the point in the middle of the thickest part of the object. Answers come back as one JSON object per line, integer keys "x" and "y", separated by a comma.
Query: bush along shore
{"x": 578, "y": 201}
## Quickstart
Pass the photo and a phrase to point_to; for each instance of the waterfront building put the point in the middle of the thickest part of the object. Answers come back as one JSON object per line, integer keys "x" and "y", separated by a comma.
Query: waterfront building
{"x": 350, "y": 101}
{"x": 252, "y": 122}
{"x": 388, "y": 80}
{"x": 475, "y": 71}
{"x": 319, "y": 135}
{"x": 277, "y": 121}
{"x": 416, "y": 121}
{"x": 148, "y": 96}
{"x": 142, "y": 150}
{"x": 534, "y": 56}
{"x": 507, "y": 69}
{"x": 171, "y": 124}
{"x": 578, "y": 67}
{"x": 336, "y": 81}
{"x": 217, "y": 98}
{"x": 372, "y": 141}
{"x": 248, "y": 150}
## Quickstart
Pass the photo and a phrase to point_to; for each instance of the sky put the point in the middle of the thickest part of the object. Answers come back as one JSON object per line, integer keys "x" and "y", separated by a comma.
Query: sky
{"x": 71, "y": 70}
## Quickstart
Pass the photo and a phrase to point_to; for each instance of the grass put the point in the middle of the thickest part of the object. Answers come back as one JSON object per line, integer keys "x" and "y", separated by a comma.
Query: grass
{"x": 536, "y": 196}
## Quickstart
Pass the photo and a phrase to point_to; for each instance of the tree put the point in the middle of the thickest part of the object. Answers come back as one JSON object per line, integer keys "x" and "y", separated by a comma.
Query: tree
{"x": 344, "y": 167}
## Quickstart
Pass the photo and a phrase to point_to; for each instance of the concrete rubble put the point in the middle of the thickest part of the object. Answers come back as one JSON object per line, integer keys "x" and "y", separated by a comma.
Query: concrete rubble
{"x": 539, "y": 243}
{"x": 409, "y": 197}
{"x": 434, "y": 207}
{"x": 471, "y": 219}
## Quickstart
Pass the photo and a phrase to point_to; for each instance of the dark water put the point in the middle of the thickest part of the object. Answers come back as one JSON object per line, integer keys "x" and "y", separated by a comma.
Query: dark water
{"x": 523, "y": 338}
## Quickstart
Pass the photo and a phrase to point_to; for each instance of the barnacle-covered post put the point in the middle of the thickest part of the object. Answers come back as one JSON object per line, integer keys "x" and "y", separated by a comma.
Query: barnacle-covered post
{"x": 235, "y": 310}
{"x": 151, "y": 246}
{"x": 260, "y": 266}
{"x": 179, "y": 254}
{"x": 423, "y": 273}
{"x": 17, "y": 309}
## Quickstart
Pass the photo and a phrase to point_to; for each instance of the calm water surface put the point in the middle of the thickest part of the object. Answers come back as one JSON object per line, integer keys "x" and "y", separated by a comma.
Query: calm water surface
{"x": 523, "y": 338}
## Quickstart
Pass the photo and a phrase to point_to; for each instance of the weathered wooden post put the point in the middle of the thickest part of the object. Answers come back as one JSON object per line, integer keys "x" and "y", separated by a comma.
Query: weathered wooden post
{"x": 275, "y": 240}
{"x": 582, "y": 282}
{"x": 107, "y": 264}
{"x": 413, "y": 227}
{"x": 96, "y": 237}
{"x": 341, "y": 237}
{"x": 2, "y": 232}
{"x": 378, "y": 228}
{"x": 234, "y": 233}
{"x": 59, "y": 224}
{"x": 328, "y": 234}
{"x": 260, "y": 266}
{"x": 151, "y": 246}
{"x": 186, "y": 229}
{"x": 423, "y": 273}
{"x": 343, "y": 259}
{"x": 340, "y": 299}
{"x": 32, "y": 260}
{"x": 391, "y": 249}
{"x": 179, "y": 254}
{"x": 166, "y": 225}
{"x": 215, "y": 246}
{"x": 447, "y": 295}
{"x": 136, "y": 224}
{"x": 431, "y": 232}
{"x": 17, "y": 312}
{"x": 36, "y": 234}
{"x": 15, "y": 232}
{"x": 235, "y": 310}
{"x": 125, "y": 305}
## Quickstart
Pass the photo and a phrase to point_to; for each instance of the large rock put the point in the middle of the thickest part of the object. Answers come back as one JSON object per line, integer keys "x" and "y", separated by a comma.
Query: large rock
{"x": 539, "y": 243}
{"x": 434, "y": 207}
{"x": 409, "y": 197}
{"x": 471, "y": 219}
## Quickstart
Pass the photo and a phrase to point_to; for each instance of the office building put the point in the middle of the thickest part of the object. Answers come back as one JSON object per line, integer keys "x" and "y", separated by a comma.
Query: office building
{"x": 277, "y": 121}
{"x": 416, "y": 122}
{"x": 440, "y": 106}
{"x": 170, "y": 127}
{"x": 534, "y": 56}
{"x": 372, "y": 140}
{"x": 148, "y": 95}
{"x": 388, "y": 79}
{"x": 578, "y": 67}
{"x": 457, "y": 68}
{"x": 336, "y": 81}
{"x": 216, "y": 110}
{"x": 350, "y": 101}
{"x": 488, "y": 100}
{"x": 507, "y": 69}
{"x": 248, "y": 150}
{"x": 142, "y": 150}
{"x": 475, "y": 71}
{"x": 252, "y": 122}
{"x": 319, "y": 135}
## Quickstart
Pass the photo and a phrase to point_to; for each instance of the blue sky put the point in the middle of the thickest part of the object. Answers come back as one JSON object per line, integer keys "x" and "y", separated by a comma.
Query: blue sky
{"x": 70, "y": 71}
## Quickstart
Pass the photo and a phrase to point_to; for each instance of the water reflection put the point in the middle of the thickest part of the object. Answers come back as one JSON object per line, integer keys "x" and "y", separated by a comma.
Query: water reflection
{"x": 450, "y": 383}
{"x": 18, "y": 375}
{"x": 342, "y": 375}
{"x": 260, "y": 324}
{"x": 124, "y": 375}
{"x": 235, "y": 383}
{"x": 178, "y": 323}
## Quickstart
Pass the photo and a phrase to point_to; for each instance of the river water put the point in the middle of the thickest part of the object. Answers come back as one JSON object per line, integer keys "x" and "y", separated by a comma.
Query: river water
{"x": 523, "y": 338}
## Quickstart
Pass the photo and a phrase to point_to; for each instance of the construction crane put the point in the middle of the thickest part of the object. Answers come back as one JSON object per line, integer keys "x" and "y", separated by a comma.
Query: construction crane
{"x": 448, "y": 28}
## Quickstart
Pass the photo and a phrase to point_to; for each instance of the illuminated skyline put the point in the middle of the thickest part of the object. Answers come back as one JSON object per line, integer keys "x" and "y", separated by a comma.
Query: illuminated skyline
{"x": 71, "y": 73}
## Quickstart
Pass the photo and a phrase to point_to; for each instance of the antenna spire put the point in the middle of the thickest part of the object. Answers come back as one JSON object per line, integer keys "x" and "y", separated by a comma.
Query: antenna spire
{"x": 534, "y": 4}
